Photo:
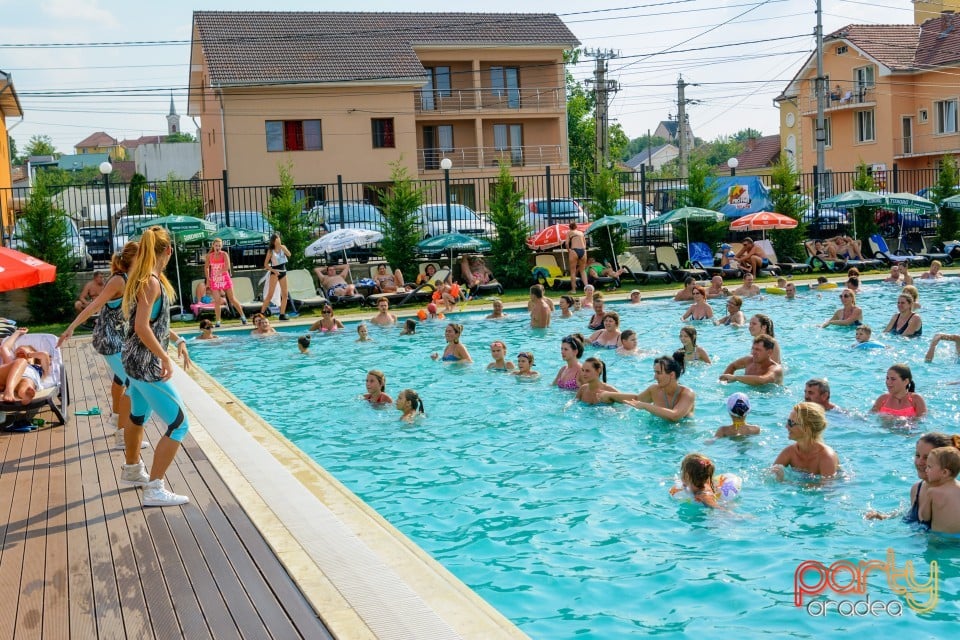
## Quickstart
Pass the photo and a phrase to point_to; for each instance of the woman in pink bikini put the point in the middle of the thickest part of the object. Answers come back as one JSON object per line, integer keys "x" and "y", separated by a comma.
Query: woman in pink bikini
{"x": 900, "y": 400}
{"x": 571, "y": 350}
{"x": 217, "y": 270}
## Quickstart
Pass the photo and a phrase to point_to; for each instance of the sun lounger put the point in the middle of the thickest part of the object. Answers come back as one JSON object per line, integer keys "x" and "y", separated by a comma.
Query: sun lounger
{"x": 243, "y": 290}
{"x": 55, "y": 395}
{"x": 880, "y": 250}
{"x": 701, "y": 257}
{"x": 791, "y": 266}
{"x": 302, "y": 289}
{"x": 199, "y": 308}
{"x": 668, "y": 260}
{"x": 640, "y": 274}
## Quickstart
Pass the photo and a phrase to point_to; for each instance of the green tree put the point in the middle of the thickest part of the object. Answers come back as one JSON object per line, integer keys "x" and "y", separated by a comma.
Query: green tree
{"x": 746, "y": 134}
{"x": 718, "y": 151}
{"x": 510, "y": 258}
{"x": 178, "y": 198}
{"x": 135, "y": 195}
{"x": 40, "y": 145}
{"x": 864, "y": 218}
{"x": 179, "y": 137}
{"x": 946, "y": 186}
{"x": 638, "y": 145}
{"x": 12, "y": 146}
{"x": 402, "y": 232}
{"x": 285, "y": 214}
{"x": 786, "y": 199}
{"x": 606, "y": 191}
{"x": 700, "y": 191}
{"x": 45, "y": 237}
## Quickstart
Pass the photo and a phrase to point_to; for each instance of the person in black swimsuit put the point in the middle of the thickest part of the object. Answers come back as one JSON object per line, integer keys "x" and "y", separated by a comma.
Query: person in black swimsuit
{"x": 905, "y": 322}
{"x": 927, "y": 443}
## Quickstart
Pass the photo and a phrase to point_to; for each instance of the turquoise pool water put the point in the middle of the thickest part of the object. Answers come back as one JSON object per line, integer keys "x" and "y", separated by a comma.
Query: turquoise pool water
{"x": 558, "y": 514}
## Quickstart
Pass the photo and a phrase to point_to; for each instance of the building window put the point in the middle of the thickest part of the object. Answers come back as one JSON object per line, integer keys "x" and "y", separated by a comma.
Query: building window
{"x": 923, "y": 116}
{"x": 827, "y": 134}
{"x": 383, "y": 137}
{"x": 294, "y": 135}
{"x": 863, "y": 78}
{"x": 841, "y": 50}
{"x": 437, "y": 86}
{"x": 509, "y": 137}
{"x": 505, "y": 82}
{"x": 865, "y": 126}
{"x": 437, "y": 144}
{"x": 945, "y": 112}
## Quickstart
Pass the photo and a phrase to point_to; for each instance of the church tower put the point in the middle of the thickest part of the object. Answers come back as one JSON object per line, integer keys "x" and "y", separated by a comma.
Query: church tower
{"x": 924, "y": 10}
{"x": 173, "y": 120}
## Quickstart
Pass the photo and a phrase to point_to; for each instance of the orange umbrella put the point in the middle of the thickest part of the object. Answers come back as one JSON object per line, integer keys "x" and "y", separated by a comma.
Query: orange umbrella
{"x": 762, "y": 221}
{"x": 18, "y": 270}
{"x": 552, "y": 236}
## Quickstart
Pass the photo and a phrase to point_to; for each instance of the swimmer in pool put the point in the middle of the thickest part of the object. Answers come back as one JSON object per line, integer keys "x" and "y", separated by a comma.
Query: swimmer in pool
{"x": 628, "y": 344}
{"x": 454, "y": 351}
{"x": 665, "y": 398}
{"x": 734, "y": 317}
{"x": 900, "y": 400}
{"x": 609, "y": 336}
{"x": 699, "y": 310}
{"x": 303, "y": 344}
{"x": 925, "y": 444}
{"x": 696, "y": 474}
{"x": 759, "y": 368}
{"x": 524, "y": 366}
{"x": 940, "y": 496}
{"x": 206, "y": 330}
{"x": 738, "y": 406}
{"x": 497, "y": 313}
{"x": 410, "y": 405}
{"x": 327, "y": 322}
{"x": 376, "y": 383}
{"x": 409, "y": 327}
{"x": 937, "y": 339}
{"x": 566, "y": 306}
{"x": 593, "y": 373}
{"x": 383, "y": 318}
{"x": 363, "y": 334}
{"x": 692, "y": 352}
{"x": 261, "y": 326}
{"x": 498, "y": 351}
{"x": 571, "y": 350}
{"x": 808, "y": 453}
{"x": 849, "y": 314}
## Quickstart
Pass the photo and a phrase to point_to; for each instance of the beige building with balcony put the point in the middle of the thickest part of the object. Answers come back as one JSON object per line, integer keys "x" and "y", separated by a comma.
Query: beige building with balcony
{"x": 350, "y": 93}
{"x": 892, "y": 95}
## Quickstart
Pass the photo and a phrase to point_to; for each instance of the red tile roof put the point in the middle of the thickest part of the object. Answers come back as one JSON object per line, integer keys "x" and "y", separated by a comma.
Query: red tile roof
{"x": 893, "y": 45}
{"x": 136, "y": 142}
{"x": 939, "y": 42}
{"x": 252, "y": 47}
{"x": 98, "y": 139}
{"x": 759, "y": 153}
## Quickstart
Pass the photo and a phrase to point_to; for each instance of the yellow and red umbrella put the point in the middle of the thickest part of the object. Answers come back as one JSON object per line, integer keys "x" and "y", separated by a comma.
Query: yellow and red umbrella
{"x": 763, "y": 221}
{"x": 553, "y": 236}
{"x": 19, "y": 270}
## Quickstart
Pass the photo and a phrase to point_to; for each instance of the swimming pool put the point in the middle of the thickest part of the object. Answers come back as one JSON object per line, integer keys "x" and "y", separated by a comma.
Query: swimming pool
{"x": 558, "y": 514}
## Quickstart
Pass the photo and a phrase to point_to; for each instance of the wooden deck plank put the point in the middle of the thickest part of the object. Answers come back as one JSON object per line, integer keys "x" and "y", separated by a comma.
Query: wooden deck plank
{"x": 29, "y": 623}
{"x": 11, "y": 563}
{"x": 56, "y": 603}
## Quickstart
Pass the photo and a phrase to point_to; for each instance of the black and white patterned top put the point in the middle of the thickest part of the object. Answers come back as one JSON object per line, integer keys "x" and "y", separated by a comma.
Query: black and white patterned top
{"x": 138, "y": 361}
{"x": 109, "y": 331}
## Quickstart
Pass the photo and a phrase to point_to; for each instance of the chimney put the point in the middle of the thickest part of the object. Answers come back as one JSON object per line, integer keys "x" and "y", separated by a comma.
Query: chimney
{"x": 946, "y": 23}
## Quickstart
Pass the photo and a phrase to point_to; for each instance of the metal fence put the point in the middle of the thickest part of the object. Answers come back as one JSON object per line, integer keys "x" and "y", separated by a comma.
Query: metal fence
{"x": 86, "y": 203}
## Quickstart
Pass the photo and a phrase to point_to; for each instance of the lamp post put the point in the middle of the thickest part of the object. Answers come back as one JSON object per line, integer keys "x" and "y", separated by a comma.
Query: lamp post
{"x": 105, "y": 169}
{"x": 733, "y": 163}
{"x": 446, "y": 164}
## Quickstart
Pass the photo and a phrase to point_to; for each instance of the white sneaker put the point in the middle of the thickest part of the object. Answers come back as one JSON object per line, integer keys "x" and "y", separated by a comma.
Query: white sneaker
{"x": 156, "y": 495}
{"x": 120, "y": 443}
{"x": 134, "y": 474}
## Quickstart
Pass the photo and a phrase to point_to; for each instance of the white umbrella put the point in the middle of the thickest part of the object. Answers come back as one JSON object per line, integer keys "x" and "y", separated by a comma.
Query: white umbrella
{"x": 341, "y": 240}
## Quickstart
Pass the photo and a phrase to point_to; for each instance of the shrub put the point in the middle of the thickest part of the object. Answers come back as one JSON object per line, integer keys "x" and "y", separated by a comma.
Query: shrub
{"x": 45, "y": 237}
{"x": 402, "y": 231}
{"x": 864, "y": 218}
{"x": 510, "y": 256}
{"x": 786, "y": 199}
{"x": 947, "y": 186}
{"x": 135, "y": 196}
{"x": 700, "y": 192}
{"x": 605, "y": 193}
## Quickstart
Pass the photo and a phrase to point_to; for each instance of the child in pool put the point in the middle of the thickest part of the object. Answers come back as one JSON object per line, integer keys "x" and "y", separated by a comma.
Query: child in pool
{"x": 303, "y": 344}
{"x": 410, "y": 404}
{"x": 628, "y": 344}
{"x": 524, "y": 364}
{"x": 738, "y": 405}
{"x": 206, "y": 330}
{"x": 864, "y": 334}
{"x": 363, "y": 333}
{"x": 498, "y": 351}
{"x": 409, "y": 327}
{"x": 696, "y": 474}
{"x": 376, "y": 383}
{"x": 940, "y": 494}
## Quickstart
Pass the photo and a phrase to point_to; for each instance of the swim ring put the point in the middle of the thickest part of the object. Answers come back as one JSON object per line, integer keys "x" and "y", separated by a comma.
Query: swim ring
{"x": 727, "y": 485}
{"x": 777, "y": 291}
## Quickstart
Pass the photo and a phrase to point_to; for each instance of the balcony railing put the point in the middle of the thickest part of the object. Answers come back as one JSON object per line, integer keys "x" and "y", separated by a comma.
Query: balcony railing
{"x": 535, "y": 99}
{"x": 926, "y": 145}
{"x": 843, "y": 96}
{"x": 484, "y": 157}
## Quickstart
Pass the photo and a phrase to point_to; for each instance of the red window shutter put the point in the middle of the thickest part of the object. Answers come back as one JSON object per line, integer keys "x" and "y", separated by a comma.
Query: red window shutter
{"x": 293, "y": 135}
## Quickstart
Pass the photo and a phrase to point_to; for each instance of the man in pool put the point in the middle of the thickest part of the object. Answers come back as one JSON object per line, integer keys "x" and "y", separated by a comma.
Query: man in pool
{"x": 758, "y": 367}
{"x": 716, "y": 289}
{"x": 790, "y": 291}
{"x": 540, "y": 308}
{"x": 334, "y": 282}
{"x": 817, "y": 390}
{"x": 748, "y": 289}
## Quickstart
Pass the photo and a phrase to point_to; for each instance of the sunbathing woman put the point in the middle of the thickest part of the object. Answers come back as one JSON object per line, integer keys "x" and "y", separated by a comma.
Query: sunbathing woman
{"x": 571, "y": 350}
{"x": 665, "y": 398}
{"x": 609, "y": 336}
{"x": 594, "y": 376}
{"x": 454, "y": 351}
{"x": 699, "y": 310}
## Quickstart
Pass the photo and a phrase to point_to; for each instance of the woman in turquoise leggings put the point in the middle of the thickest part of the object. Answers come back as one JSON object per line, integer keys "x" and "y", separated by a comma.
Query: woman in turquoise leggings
{"x": 146, "y": 302}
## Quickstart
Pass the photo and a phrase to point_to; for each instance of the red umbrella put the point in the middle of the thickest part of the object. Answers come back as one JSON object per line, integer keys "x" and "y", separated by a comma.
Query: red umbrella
{"x": 762, "y": 221}
{"x": 552, "y": 236}
{"x": 18, "y": 270}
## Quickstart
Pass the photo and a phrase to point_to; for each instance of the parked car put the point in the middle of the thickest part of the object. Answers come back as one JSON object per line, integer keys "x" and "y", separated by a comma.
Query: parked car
{"x": 98, "y": 242}
{"x": 126, "y": 227}
{"x": 80, "y": 258}
{"x": 825, "y": 222}
{"x": 244, "y": 255}
{"x": 655, "y": 233}
{"x": 895, "y": 223}
{"x": 463, "y": 219}
{"x": 353, "y": 215}
{"x": 539, "y": 213}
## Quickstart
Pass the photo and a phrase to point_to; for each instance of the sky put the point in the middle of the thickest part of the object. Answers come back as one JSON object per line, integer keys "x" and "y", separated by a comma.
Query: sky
{"x": 737, "y": 55}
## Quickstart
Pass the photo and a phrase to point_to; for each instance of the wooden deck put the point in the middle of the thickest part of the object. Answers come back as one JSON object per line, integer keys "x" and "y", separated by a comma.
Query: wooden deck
{"x": 80, "y": 558}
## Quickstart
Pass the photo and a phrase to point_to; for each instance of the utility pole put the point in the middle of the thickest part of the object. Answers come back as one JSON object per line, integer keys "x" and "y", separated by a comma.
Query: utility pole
{"x": 820, "y": 89}
{"x": 682, "y": 123}
{"x": 602, "y": 89}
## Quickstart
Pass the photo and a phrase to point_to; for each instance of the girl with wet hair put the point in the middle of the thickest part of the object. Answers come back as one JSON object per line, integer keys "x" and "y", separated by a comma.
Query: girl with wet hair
{"x": 901, "y": 399}
{"x": 665, "y": 398}
{"x": 593, "y": 374}
{"x": 410, "y": 404}
{"x": 571, "y": 350}
{"x": 454, "y": 351}
{"x": 692, "y": 352}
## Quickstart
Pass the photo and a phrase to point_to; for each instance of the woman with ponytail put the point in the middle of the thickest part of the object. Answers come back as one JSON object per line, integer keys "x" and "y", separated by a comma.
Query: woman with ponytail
{"x": 900, "y": 401}
{"x": 108, "y": 334}
{"x": 665, "y": 398}
{"x": 146, "y": 303}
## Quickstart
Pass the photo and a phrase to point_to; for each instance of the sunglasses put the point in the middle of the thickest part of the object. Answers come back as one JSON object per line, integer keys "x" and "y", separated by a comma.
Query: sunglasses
{"x": 327, "y": 313}
{"x": 845, "y": 295}
{"x": 525, "y": 354}
{"x": 791, "y": 424}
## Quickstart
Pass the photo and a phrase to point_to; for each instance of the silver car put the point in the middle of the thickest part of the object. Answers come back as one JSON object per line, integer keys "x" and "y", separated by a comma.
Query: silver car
{"x": 463, "y": 219}
{"x": 80, "y": 258}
